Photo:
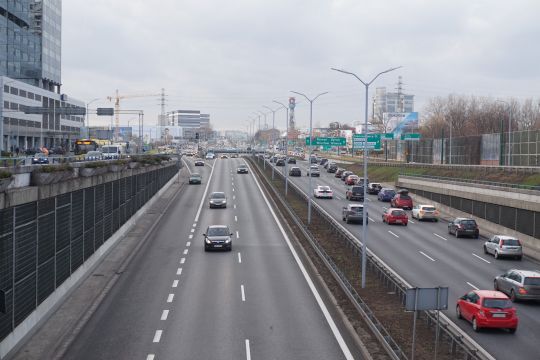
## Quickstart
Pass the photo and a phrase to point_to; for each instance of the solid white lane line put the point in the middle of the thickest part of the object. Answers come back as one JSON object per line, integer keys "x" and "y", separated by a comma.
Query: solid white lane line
{"x": 185, "y": 251}
{"x": 179, "y": 271}
{"x": 235, "y": 218}
{"x": 170, "y": 298}
{"x": 248, "y": 351}
{"x": 157, "y": 336}
{"x": 429, "y": 257}
{"x": 191, "y": 236}
{"x": 471, "y": 285}
{"x": 239, "y": 258}
{"x": 243, "y": 293}
{"x": 481, "y": 258}
{"x": 237, "y": 235}
{"x": 182, "y": 260}
{"x": 335, "y": 330}
{"x": 204, "y": 195}
{"x": 188, "y": 244}
{"x": 440, "y": 237}
{"x": 175, "y": 282}
{"x": 165, "y": 314}
{"x": 187, "y": 166}
{"x": 393, "y": 233}
{"x": 150, "y": 357}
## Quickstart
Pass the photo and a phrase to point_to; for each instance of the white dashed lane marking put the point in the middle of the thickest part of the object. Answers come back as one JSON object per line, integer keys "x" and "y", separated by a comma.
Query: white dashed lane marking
{"x": 471, "y": 285}
{"x": 191, "y": 236}
{"x": 429, "y": 257}
{"x": 182, "y": 260}
{"x": 157, "y": 336}
{"x": 237, "y": 235}
{"x": 248, "y": 351}
{"x": 235, "y": 218}
{"x": 192, "y": 230}
{"x": 170, "y": 298}
{"x": 186, "y": 251}
{"x": 150, "y": 357}
{"x": 440, "y": 237}
{"x": 481, "y": 258}
{"x": 188, "y": 244}
{"x": 165, "y": 315}
{"x": 194, "y": 224}
{"x": 393, "y": 233}
{"x": 179, "y": 271}
{"x": 175, "y": 282}
{"x": 243, "y": 292}
{"x": 239, "y": 258}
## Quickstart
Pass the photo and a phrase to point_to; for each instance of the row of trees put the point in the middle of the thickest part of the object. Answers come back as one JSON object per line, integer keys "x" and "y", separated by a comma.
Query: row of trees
{"x": 471, "y": 115}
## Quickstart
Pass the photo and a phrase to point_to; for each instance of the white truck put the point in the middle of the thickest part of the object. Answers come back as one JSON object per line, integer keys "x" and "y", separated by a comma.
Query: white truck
{"x": 115, "y": 151}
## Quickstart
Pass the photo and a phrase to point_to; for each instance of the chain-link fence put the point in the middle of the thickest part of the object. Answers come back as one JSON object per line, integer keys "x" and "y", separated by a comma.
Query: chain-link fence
{"x": 43, "y": 242}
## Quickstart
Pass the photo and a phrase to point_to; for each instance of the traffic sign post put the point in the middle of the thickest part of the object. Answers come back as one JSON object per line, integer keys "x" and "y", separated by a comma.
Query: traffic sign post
{"x": 410, "y": 137}
{"x": 373, "y": 141}
{"x": 327, "y": 141}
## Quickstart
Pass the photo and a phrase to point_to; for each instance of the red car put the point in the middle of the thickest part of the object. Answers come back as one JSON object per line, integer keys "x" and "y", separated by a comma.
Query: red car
{"x": 395, "y": 216}
{"x": 402, "y": 200}
{"x": 351, "y": 180}
{"x": 487, "y": 309}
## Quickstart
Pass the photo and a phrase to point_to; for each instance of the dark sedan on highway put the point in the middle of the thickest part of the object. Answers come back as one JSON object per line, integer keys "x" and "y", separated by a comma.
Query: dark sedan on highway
{"x": 40, "y": 158}
{"x": 195, "y": 178}
{"x": 295, "y": 171}
{"x": 218, "y": 237}
{"x": 386, "y": 194}
{"x": 464, "y": 226}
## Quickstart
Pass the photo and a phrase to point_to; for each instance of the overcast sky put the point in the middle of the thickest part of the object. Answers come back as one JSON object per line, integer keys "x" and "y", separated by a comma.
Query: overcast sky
{"x": 229, "y": 58}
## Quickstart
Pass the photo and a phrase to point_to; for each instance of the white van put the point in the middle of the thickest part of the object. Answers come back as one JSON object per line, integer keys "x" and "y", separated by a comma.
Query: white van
{"x": 113, "y": 151}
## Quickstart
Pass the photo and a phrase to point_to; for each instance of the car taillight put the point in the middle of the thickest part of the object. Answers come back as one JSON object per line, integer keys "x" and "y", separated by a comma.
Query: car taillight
{"x": 522, "y": 291}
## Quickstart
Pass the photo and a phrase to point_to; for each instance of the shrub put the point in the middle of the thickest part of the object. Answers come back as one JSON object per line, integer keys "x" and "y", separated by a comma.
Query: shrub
{"x": 95, "y": 164}
{"x": 54, "y": 168}
{"x": 120, "y": 162}
{"x": 5, "y": 174}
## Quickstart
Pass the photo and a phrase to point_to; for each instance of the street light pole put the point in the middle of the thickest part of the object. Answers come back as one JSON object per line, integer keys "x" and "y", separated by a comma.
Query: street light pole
{"x": 286, "y": 144}
{"x": 87, "y": 116}
{"x": 273, "y": 130}
{"x": 364, "y": 212}
{"x": 310, "y": 190}
{"x": 509, "y": 161}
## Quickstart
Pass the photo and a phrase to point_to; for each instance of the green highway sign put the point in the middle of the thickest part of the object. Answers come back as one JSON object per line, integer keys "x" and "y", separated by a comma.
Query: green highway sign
{"x": 388, "y": 136}
{"x": 328, "y": 141}
{"x": 411, "y": 136}
{"x": 373, "y": 141}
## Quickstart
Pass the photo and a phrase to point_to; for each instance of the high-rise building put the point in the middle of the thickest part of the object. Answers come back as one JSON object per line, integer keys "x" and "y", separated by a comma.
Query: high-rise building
{"x": 30, "y": 77}
{"x": 391, "y": 102}
{"x": 190, "y": 123}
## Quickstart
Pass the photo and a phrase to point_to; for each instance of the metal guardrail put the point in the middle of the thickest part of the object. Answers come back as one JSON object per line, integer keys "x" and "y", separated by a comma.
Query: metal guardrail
{"x": 448, "y": 330}
{"x": 473, "y": 181}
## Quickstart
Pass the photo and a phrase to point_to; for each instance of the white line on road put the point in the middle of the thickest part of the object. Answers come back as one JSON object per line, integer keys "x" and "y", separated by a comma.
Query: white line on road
{"x": 192, "y": 230}
{"x": 368, "y": 199}
{"x": 237, "y": 235}
{"x": 243, "y": 293}
{"x": 471, "y": 285}
{"x": 175, "y": 283}
{"x": 233, "y": 184}
{"x": 150, "y": 357}
{"x": 188, "y": 244}
{"x": 481, "y": 258}
{"x": 234, "y": 197}
{"x": 165, "y": 314}
{"x": 170, "y": 298}
{"x": 440, "y": 237}
{"x": 194, "y": 224}
{"x": 370, "y": 219}
{"x": 248, "y": 351}
{"x": 232, "y": 189}
{"x": 179, "y": 271}
{"x": 239, "y": 258}
{"x": 234, "y": 206}
{"x": 157, "y": 336}
{"x": 412, "y": 222}
{"x": 429, "y": 257}
{"x": 182, "y": 260}
{"x": 393, "y": 233}
{"x": 191, "y": 236}
{"x": 204, "y": 195}
{"x": 235, "y": 218}
{"x": 186, "y": 251}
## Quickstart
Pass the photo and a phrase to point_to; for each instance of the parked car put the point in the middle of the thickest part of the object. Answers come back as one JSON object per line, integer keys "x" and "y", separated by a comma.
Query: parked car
{"x": 519, "y": 284}
{"x": 218, "y": 237}
{"x": 322, "y": 191}
{"x": 93, "y": 156}
{"x": 425, "y": 212}
{"x": 339, "y": 172}
{"x": 323, "y": 161}
{"x": 295, "y": 171}
{"x": 395, "y": 216}
{"x": 313, "y": 171}
{"x": 355, "y": 193}
{"x": 218, "y": 199}
{"x": 280, "y": 162}
{"x": 40, "y": 158}
{"x": 487, "y": 309}
{"x": 402, "y": 200}
{"x": 351, "y": 179}
{"x": 503, "y": 246}
{"x": 354, "y": 213}
{"x": 195, "y": 178}
{"x": 464, "y": 226}
{"x": 199, "y": 162}
{"x": 374, "y": 188}
{"x": 386, "y": 194}
{"x": 332, "y": 168}
{"x": 345, "y": 174}
{"x": 242, "y": 169}
{"x": 291, "y": 160}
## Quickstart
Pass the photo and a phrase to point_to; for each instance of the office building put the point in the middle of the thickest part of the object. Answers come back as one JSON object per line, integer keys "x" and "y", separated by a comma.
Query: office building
{"x": 30, "y": 78}
{"x": 391, "y": 102}
{"x": 189, "y": 123}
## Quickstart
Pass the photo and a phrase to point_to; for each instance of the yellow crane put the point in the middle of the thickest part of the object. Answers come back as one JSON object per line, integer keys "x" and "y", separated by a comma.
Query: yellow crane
{"x": 116, "y": 99}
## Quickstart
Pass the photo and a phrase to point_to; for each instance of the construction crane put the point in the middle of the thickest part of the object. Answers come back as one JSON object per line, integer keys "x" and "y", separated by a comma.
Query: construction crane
{"x": 116, "y": 99}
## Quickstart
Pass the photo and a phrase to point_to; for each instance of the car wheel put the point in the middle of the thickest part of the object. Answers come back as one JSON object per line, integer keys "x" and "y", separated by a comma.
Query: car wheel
{"x": 485, "y": 249}
{"x": 475, "y": 325}
{"x": 457, "y": 234}
{"x": 343, "y": 219}
{"x": 518, "y": 258}
{"x": 449, "y": 231}
{"x": 458, "y": 312}
{"x": 513, "y": 296}
{"x": 436, "y": 220}
{"x": 405, "y": 224}
{"x": 496, "y": 255}
{"x": 347, "y": 220}
{"x": 512, "y": 330}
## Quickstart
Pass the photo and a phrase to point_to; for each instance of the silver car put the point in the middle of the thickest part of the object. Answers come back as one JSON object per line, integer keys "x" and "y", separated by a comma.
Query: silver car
{"x": 501, "y": 245}
{"x": 218, "y": 199}
{"x": 519, "y": 284}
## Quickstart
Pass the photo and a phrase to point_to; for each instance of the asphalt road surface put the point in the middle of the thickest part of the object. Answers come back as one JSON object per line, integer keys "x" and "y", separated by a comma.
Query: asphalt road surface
{"x": 425, "y": 255}
{"x": 176, "y": 301}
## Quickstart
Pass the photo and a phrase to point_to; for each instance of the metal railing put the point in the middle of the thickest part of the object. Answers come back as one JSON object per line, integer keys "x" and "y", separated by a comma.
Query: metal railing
{"x": 473, "y": 181}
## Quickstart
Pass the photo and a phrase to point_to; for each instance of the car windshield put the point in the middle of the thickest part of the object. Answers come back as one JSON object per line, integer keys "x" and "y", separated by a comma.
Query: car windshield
{"x": 404, "y": 197}
{"x": 324, "y": 188}
{"x": 398, "y": 213}
{"x": 242, "y": 167}
{"x": 534, "y": 281}
{"x": 218, "y": 231}
{"x": 511, "y": 242}
{"x": 357, "y": 209}
{"x": 357, "y": 189}
{"x": 218, "y": 196}
{"x": 110, "y": 149}
{"x": 497, "y": 303}
{"x": 389, "y": 192}
{"x": 193, "y": 176}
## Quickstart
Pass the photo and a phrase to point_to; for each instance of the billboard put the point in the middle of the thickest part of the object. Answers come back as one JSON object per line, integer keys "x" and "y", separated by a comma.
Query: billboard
{"x": 399, "y": 123}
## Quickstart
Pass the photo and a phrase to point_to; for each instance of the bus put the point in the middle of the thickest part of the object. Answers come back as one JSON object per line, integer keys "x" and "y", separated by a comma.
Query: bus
{"x": 85, "y": 145}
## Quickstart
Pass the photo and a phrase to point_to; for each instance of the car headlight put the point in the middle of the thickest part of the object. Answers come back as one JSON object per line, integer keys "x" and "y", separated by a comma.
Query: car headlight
{"x": 228, "y": 241}
{"x": 207, "y": 241}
